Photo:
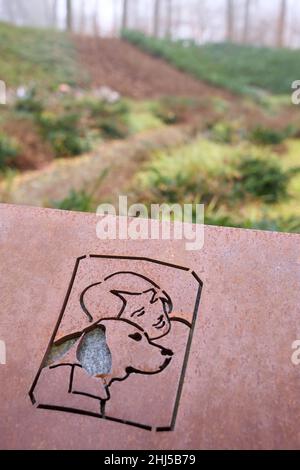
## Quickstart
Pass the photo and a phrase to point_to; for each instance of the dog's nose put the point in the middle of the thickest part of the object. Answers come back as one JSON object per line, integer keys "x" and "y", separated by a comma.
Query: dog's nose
{"x": 166, "y": 352}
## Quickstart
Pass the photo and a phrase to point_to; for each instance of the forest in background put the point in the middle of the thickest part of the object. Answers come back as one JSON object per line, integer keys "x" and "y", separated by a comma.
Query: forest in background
{"x": 138, "y": 98}
{"x": 273, "y": 23}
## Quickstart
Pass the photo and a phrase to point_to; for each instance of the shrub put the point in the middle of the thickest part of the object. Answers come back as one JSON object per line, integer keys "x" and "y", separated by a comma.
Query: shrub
{"x": 140, "y": 120}
{"x": 111, "y": 118}
{"x": 193, "y": 173}
{"x": 101, "y": 108}
{"x": 9, "y": 150}
{"x": 30, "y": 103}
{"x": 50, "y": 122}
{"x": 263, "y": 136}
{"x": 167, "y": 116}
{"x": 261, "y": 178}
{"x": 114, "y": 128}
{"x": 278, "y": 224}
{"x": 237, "y": 189}
{"x": 219, "y": 218}
{"x": 173, "y": 110}
{"x": 222, "y": 132}
{"x": 79, "y": 201}
{"x": 262, "y": 221}
{"x": 68, "y": 143}
{"x": 63, "y": 133}
{"x": 205, "y": 171}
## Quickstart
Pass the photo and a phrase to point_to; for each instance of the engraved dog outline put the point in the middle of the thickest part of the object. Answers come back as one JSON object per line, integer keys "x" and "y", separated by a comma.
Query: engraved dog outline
{"x": 167, "y": 308}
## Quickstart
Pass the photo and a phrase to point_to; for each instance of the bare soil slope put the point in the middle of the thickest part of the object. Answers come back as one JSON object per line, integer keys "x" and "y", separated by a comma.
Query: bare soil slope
{"x": 123, "y": 67}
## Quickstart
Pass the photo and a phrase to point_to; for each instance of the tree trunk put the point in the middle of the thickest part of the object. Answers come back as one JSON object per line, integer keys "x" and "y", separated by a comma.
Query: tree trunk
{"x": 280, "y": 40}
{"x": 69, "y": 21}
{"x": 96, "y": 25}
{"x": 169, "y": 18}
{"x": 125, "y": 14}
{"x": 115, "y": 18}
{"x": 156, "y": 20}
{"x": 54, "y": 14}
{"x": 230, "y": 21}
{"x": 82, "y": 18}
{"x": 246, "y": 22}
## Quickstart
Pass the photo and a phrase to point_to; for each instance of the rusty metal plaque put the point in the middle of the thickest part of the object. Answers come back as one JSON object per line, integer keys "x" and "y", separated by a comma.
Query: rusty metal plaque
{"x": 141, "y": 344}
{"x": 120, "y": 348}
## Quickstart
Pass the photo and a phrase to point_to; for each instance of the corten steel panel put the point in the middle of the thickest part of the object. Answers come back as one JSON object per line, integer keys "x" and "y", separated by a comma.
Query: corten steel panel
{"x": 147, "y": 328}
{"x": 190, "y": 367}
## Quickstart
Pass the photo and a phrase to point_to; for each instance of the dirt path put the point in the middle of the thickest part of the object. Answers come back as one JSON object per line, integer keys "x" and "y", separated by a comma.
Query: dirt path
{"x": 131, "y": 72}
{"x": 121, "y": 159}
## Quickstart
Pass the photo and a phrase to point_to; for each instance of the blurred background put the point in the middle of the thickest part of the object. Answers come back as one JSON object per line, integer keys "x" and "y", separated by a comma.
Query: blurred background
{"x": 174, "y": 101}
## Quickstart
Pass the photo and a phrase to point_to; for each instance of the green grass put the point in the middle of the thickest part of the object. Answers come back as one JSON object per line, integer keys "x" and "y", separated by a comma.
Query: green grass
{"x": 44, "y": 56}
{"x": 241, "y": 69}
{"x": 77, "y": 201}
{"x": 241, "y": 185}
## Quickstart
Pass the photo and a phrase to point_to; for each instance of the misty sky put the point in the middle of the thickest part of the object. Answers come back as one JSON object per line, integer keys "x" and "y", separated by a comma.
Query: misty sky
{"x": 185, "y": 13}
{"x": 190, "y": 17}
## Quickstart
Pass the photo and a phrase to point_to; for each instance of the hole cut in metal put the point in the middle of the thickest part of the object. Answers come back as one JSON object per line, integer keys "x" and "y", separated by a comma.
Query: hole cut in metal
{"x": 93, "y": 352}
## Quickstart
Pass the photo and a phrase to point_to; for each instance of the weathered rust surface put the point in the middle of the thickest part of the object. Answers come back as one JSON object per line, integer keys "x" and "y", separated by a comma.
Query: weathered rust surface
{"x": 240, "y": 388}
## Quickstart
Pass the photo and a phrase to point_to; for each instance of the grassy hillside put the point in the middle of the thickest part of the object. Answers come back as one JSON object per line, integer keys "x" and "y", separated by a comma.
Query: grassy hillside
{"x": 241, "y": 184}
{"x": 43, "y": 56}
{"x": 241, "y": 157}
{"x": 242, "y": 69}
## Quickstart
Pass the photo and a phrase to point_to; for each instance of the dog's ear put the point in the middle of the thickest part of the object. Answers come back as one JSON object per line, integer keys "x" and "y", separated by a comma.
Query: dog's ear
{"x": 93, "y": 352}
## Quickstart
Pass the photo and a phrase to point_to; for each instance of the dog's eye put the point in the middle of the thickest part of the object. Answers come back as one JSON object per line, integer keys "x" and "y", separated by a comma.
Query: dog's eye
{"x": 136, "y": 337}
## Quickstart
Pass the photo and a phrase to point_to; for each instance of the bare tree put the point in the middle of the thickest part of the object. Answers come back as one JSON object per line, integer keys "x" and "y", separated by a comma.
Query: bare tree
{"x": 54, "y": 14}
{"x": 82, "y": 17}
{"x": 115, "y": 26}
{"x": 246, "y": 27}
{"x": 196, "y": 18}
{"x": 280, "y": 39}
{"x": 96, "y": 25}
{"x": 230, "y": 20}
{"x": 69, "y": 17}
{"x": 156, "y": 18}
{"x": 169, "y": 18}
{"x": 125, "y": 14}
{"x": 136, "y": 20}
